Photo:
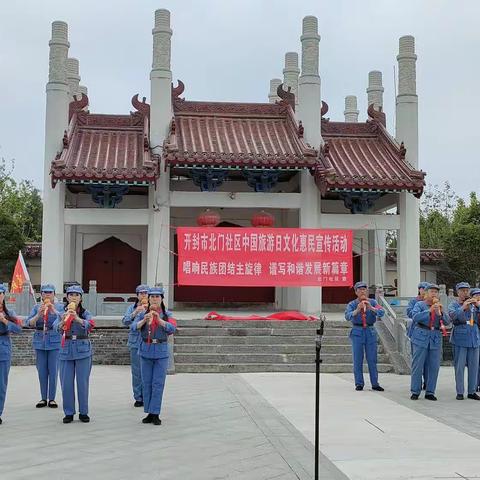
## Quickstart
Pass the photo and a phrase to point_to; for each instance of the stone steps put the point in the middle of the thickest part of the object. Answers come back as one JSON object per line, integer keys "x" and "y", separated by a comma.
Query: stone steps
{"x": 244, "y": 331}
{"x": 269, "y": 367}
{"x": 265, "y": 358}
{"x": 240, "y": 349}
{"x": 309, "y": 325}
{"x": 262, "y": 346}
{"x": 242, "y": 367}
{"x": 185, "y": 339}
{"x": 259, "y": 348}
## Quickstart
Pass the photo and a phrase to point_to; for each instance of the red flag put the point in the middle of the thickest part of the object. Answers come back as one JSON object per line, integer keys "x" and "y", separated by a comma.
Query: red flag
{"x": 20, "y": 275}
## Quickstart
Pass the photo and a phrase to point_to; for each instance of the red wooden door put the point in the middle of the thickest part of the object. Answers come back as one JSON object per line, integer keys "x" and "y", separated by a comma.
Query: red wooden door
{"x": 341, "y": 295}
{"x": 202, "y": 294}
{"x": 115, "y": 265}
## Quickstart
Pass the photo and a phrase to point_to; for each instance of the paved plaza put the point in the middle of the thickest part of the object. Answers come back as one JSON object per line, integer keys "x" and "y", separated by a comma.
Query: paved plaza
{"x": 214, "y": 427}
{"x": 245, "y": 426}
{"x": 370, "y": 435}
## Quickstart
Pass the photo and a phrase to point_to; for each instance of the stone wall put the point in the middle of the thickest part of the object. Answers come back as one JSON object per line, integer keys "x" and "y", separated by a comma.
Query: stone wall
{"x": 109, "y": 347}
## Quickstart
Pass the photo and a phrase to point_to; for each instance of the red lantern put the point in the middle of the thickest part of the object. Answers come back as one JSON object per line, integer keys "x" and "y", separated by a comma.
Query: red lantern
{"x": 263, "y": 219}
{"x": 208, "y": 218}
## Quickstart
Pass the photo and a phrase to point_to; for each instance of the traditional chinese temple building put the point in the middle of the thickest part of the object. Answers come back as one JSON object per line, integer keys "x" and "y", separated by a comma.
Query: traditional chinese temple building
{"x": 116, "y": 186}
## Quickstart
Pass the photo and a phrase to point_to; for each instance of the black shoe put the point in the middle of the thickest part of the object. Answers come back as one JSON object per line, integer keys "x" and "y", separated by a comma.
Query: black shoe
{"x": 68, "y": 419}
{"x": 430, "y": 396}
{"x": 41, "y": 404}
{"x": 378, "y": 388}
{"x": 414, "y": 396}
{"x": 83, "y": 417}
{"x": 0, "y": 421}
{"x": 148, "y": 418}
{"x": 138, "y": 403}
{"x": 358, "y": 387}
{"x": 52, "y": 404}
{"x": 156, "y": 420}
{"x": 473, "y": 396}
{"x": 460, "y": 396}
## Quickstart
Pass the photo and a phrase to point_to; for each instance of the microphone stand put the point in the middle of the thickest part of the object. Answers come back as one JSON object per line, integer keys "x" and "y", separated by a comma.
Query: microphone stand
{"x": 318, "y": 346}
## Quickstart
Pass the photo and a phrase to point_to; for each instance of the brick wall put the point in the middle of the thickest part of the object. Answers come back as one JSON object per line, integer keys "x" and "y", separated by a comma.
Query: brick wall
{"x": 109, "y": 347}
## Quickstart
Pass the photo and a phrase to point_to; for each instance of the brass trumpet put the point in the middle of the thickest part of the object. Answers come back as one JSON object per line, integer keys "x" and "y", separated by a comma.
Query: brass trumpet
{"x": 436, "y": 303}
{"x": 364, "y": 301}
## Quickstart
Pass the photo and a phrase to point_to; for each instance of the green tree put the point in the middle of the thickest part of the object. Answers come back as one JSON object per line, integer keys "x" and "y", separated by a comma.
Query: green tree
{"x": 20, "y": 217}
{"x": 441, "y": 199}
{"x": 462, "y": 251}
{"x": 465, "y": 214}
{"x": 11, "y": 241}
{"x": 437, "y": 209}
{"x": 21, "y": 202}
{"x": 434, "y": 228}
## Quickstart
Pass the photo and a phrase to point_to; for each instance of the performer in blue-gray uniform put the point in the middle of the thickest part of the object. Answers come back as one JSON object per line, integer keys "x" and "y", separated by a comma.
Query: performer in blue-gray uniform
{"x": 154, "y": 326}
{"x": 429, "y": 321}
{"x": 75, "y": 355}
{"x": 466, "y": 340}
{"x": 363, "y": 313}
{"x": 475, "y": 294}
{"x": 46, "y": 342}
{"x": 134, "y": 342}
{"x": 9, "y": 323}
{"x": 422, "y": 286}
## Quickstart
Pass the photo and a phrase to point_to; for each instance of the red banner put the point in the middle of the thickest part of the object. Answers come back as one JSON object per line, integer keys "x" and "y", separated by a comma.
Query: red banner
{"x": 254, "y": 257}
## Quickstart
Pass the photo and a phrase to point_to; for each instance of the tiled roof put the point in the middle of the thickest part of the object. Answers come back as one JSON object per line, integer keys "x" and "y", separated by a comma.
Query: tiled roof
{"x": 220, "y": 134}
{"x": 363, "y": 156}
{"x": 428, "y": 256}
{"x": 111, "y": 148}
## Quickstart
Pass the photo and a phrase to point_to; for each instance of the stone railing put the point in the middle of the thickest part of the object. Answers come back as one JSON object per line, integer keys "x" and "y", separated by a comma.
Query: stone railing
{"x": 393, "y": 327}
{"x": 109, "y": 338}
{"x": 98, "y": 304}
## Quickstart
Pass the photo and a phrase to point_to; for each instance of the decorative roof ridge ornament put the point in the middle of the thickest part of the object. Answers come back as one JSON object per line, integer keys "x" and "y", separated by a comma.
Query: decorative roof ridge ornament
{"x": 77, "y": 105}
{"x": 178, "y": 90}
{"x": 287, "y": 97}
{"x": 324, "y": 109}
{"x": 65, "y": 139}
{"x": 300, "y": 129}
{"x": 143, "y": 107}
{"x": 377, "y": 115}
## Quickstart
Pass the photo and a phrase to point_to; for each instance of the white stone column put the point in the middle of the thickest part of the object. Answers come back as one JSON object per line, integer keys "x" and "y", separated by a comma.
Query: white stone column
{"x": 56, "y": 122}
{"x": 308, "y": 111}
{"x": 375, "y": 89}
{"x": 272, "y": 95}
{"x": 73, "y": 77}
{"x": 291, "y": 73}
{"x": 351, "y": 109}
{"x": 408, "y": 263}
{"x": 158, "y": 264}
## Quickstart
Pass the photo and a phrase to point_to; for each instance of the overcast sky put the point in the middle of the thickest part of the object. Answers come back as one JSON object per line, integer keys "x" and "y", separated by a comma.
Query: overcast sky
{"x": 229, "y": 49}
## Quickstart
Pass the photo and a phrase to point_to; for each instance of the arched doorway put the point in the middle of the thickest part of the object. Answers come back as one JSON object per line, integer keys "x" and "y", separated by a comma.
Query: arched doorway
{"x": 115, "y": 265}
{"x": 202, "y": 294}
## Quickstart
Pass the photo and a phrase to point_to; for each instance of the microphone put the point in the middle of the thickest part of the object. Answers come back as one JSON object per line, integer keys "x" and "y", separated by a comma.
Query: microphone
{"x": 318, "y": 340}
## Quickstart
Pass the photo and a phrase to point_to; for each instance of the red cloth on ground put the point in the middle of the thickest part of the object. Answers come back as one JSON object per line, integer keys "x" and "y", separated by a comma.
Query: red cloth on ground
{"x": 279, "y": 316}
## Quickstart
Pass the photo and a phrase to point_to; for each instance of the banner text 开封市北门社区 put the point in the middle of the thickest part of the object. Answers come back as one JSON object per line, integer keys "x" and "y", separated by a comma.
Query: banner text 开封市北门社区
{"x": 264, "y": 257}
